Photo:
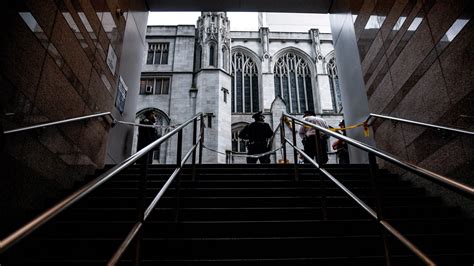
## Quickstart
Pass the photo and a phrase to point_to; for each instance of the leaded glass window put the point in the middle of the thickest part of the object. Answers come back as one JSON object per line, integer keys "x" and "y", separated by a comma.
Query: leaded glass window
{"x": 293, "y": 83}
{"x": 245, "y": 96}
{"x": 334, "y": 86}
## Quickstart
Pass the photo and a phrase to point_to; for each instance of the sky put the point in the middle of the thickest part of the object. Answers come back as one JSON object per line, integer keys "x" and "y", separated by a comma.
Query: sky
{"x": 248, "y": 21}
{"x": 239, "y": 21}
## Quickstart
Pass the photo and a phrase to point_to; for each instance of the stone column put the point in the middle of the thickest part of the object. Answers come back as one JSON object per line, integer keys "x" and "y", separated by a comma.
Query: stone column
{"x": 354, "y": 98}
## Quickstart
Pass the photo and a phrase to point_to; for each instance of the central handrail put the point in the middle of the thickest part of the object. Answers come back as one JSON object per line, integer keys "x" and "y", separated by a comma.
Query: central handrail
{"x": 413, "y": 122}
{"x": 373, "y": 152}
{"x": 92, "y": 185}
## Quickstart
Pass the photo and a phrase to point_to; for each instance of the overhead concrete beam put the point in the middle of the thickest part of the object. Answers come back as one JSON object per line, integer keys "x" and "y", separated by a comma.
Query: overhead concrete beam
{"x": 295, "y": 6}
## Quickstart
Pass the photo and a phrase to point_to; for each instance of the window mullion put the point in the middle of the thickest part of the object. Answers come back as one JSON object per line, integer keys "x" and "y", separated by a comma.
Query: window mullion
{"x": 289, "y": 86}
{"x": 243, "y": 86}
{"x": 281, "y": 86}
{"x": 305, "y": 89}
{"x": 235, "y": 83}
{"x": 297, "y": 92}
{"x": 251, "y": 92}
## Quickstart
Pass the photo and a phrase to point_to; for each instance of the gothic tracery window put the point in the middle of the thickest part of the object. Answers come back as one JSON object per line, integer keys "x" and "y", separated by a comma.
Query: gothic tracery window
{"x": 245, "y": 96}
{"x": 334, "y": 86}
{"x": 293, "y": 83}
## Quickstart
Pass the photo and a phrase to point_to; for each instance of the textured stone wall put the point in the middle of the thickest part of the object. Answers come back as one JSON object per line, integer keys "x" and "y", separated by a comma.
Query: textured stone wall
{"x": 54, "y": 66}
{"x": 422, "y": 70}
{"x": 416, "y": 60}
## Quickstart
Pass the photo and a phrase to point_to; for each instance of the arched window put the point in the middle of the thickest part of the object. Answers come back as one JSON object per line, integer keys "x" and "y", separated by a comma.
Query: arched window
{"x": 238, "y": 145}
{"x": 162, "y": 121}
{"x": 212, "y": 56}
{"x": 245, "y": 97}
{"x": 334, "y": 86}
{"x": 293, "y": 83}
{"x": 225, "y": 59}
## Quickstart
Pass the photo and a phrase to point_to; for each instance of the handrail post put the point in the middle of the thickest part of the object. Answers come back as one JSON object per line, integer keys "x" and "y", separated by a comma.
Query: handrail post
{"x": 179, "y": 151}
{"x": 201, "y": 138}
{"x": 373, "y": 168}
{"x": 194, "y": 152}
{"x": 282, "y": 136}
{"x": 318, "y": 146}
{"x": 295, "y": 153}
{"x": 317, "y": 142}
{"x": 141, "y": 202}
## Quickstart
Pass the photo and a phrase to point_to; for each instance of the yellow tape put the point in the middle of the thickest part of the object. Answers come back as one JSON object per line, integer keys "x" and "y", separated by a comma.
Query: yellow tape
{"x": 364, "y": 124}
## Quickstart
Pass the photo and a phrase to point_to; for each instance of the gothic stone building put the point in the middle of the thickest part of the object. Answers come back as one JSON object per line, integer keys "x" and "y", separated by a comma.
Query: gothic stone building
{"x": 229, "y": 75}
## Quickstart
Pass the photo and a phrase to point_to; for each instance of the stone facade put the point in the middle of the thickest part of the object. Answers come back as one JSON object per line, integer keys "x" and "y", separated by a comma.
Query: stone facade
{"x": 207, "y": 83}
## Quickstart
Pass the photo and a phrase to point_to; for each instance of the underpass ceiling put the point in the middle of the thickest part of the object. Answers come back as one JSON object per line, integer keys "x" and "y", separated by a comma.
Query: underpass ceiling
{"x": 294, "y": 6}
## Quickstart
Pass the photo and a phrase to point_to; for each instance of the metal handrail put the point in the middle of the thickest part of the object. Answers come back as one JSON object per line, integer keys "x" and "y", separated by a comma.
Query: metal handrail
{"x": 92, "y": 185}
{"x": 143, "y": 216}
{"x": 408, "y": 121}
{"x": 449, "y": 183}
{"x": 373, "y": 152}
{"x": 64, "y": 121}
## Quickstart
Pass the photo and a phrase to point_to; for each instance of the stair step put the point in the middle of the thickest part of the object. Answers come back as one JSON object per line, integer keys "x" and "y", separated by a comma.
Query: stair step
{"x": 252, "y": 176}
{"x": 252, "y": 247}
{"x": 259, "y": 228}
{"x": 278, "y": 213}
{"x": 252, "y": 183}
{"x": 283, "y": 201}
{"x": 256, "y": 192}
{"x": 441, "y": 259}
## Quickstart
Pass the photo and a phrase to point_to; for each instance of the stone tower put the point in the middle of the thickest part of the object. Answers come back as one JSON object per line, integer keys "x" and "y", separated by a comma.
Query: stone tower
{"x": 213, "y": 82}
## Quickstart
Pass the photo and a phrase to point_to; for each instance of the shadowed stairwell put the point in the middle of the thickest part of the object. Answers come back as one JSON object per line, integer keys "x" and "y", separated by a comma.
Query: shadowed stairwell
{"x": 251, "y": 215}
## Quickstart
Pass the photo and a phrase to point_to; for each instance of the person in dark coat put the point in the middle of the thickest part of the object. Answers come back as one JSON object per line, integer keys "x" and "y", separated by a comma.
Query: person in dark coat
{"x": 147, "y": 135}
{"x": 340, "y": 146}
{"x": 257, "y": 133}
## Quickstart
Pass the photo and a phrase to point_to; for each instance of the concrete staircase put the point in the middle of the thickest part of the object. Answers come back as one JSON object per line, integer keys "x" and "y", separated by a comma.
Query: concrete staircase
{"x": 251, "y": 215}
